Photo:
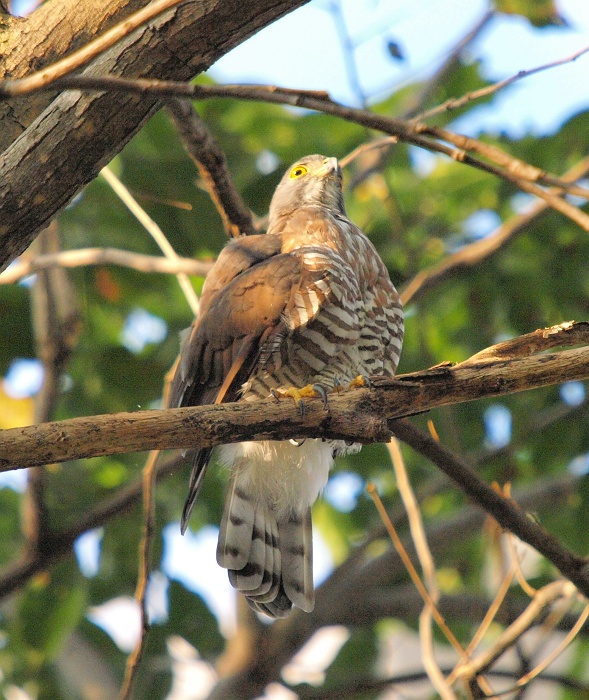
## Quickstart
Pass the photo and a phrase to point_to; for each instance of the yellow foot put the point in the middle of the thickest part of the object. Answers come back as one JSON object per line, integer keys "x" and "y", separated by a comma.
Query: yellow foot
{"x": 360, "y": 381}
{"x": 311, "y": 391}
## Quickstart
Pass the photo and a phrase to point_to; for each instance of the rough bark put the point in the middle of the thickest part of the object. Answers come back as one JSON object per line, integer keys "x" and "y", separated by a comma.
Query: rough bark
{"x": 77, "y": 134}
{"x": 53, "y": 31}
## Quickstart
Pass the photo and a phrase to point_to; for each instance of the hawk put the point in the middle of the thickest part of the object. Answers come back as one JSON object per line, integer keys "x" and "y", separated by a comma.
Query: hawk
{"x": 298, "y": 311}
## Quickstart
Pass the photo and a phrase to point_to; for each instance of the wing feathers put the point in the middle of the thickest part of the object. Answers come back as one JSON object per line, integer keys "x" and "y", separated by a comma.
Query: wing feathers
{"x": 199, "y": 468}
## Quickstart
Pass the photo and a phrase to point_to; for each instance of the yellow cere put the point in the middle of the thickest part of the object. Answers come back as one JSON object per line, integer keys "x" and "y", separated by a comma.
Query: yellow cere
{"x": 298, "y": 171}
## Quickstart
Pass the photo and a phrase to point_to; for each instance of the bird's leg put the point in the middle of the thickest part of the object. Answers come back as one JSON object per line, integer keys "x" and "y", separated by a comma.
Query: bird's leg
{"x": 311, "y": 391}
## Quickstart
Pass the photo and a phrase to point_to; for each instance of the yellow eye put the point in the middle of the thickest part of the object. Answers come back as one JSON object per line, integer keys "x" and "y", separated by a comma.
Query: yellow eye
{"x": 298, "y": 171}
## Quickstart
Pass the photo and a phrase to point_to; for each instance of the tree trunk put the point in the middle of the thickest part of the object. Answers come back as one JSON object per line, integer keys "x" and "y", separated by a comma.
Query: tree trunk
{"x": 76, "y": 134}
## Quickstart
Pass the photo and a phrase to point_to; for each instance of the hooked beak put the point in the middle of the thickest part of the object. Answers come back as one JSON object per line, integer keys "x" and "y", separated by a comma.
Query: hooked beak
{"x": 330, "y": 165}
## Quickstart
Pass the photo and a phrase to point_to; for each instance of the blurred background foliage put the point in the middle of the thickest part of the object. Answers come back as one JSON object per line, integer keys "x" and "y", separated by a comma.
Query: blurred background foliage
{"x": 417, "y": 208}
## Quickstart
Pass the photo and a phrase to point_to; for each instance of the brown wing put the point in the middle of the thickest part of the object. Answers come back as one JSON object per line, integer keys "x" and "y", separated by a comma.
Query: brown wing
{"x": 242, "y": 308}
{"x": 236, "y": 319}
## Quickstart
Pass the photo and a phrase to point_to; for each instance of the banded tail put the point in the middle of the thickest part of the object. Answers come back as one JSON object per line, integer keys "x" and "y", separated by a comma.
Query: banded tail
{"x": 269, "y": 560}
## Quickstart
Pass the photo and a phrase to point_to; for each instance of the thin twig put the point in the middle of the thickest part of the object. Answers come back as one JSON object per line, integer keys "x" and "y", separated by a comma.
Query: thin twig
{"x": 545, "y": 596}
{"x": 524, "y": 680}
{"x": 417, "y": 582}
{"x": 484, "y": 626}
{"x": 82, "y": 257}
{"x": 141, "y": 591}
{"x": 524, "y": 585}
{"x": 429, "y": 572}
{"x": 148, "y": 486}
{"x": 458, "y": 102}
{"x": 155, "y": 232}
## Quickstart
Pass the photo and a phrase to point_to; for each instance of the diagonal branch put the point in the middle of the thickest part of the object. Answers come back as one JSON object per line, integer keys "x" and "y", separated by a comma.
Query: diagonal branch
{"x": 474, "y": 253}
{"x": 497, "y": 163}
{"x": 212, "y": 166}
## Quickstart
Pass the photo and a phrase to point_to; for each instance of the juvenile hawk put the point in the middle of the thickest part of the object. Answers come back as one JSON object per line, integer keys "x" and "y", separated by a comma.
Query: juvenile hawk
{"x": 308, "y": 303}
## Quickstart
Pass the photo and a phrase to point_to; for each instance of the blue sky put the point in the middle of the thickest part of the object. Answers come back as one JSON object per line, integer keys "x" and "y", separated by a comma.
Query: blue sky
{"x": 303, "y": 51}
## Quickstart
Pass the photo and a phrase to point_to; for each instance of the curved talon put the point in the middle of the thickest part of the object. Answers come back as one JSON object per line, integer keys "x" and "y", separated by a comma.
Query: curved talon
{"x": 321, "y": 393}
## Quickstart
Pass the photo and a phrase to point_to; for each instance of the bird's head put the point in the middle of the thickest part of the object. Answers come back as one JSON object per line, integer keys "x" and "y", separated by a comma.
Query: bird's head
{"x": 311, "y": 181}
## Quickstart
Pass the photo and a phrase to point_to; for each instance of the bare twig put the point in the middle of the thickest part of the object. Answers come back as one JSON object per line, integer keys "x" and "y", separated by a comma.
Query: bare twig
{"x": 534, "y": 673}
{"x": 82, "y": 257}
{"x": 148, "y": 485}
{"x": 484, "y": 626}
{"x": 428, "y": 567}
{"x": 212, "y": 166}
{"x": 416, "y": 580}
{"x": 458, "y": 102}
{"x": 480, "y": 250}
{"x": 141, "y": 590}
{"x": 545, "y": 596}
{"x": 516, "y": 564}
{"x": 155, "y": 232}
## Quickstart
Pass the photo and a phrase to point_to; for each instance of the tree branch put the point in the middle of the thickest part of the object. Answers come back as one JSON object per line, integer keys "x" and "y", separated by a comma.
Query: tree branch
{"x": 210, "y": 160}
{"x": 82, "y": 257}
{"x": 355, "y": 415}
{"x": 474, "y": 253}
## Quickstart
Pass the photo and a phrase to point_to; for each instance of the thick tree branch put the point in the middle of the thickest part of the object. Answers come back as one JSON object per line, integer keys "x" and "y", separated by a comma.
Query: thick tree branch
{"x": 356, "y": 415}
{"x": 51, "y": 32}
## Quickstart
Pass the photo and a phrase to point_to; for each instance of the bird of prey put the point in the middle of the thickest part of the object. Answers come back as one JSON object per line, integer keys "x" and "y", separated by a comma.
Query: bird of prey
{"x": 299, "y": 311}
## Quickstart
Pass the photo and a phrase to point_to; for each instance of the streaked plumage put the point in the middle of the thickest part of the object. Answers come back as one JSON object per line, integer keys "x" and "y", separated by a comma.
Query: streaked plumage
{"x": 309, "y": 302}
